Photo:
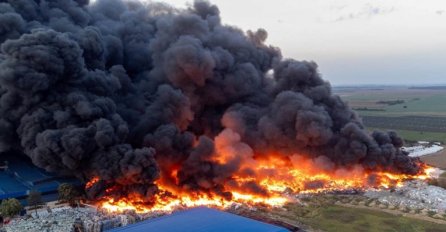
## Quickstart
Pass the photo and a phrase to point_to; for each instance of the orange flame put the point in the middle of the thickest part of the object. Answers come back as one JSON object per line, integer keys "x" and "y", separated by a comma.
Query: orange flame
{"x": 278, "y": 177}
{"x": 90, "y": 183}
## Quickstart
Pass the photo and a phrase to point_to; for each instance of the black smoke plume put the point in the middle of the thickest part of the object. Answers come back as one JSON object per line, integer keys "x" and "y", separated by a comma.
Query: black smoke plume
{"x": 126, "y": 91}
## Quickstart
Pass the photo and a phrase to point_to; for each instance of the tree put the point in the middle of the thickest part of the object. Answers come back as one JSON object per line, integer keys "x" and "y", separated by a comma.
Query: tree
{"x": 10, "y": 207}
{"x": 67, "y": 193}
{"x": 34, "y": 199}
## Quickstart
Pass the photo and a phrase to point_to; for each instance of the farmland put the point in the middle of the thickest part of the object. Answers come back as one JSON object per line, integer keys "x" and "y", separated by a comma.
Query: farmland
{"x": 415, "y": 113}
{"x": 413, "y": 136}
{"x": 395, "y": 101}
{"x": 409, "y": 123}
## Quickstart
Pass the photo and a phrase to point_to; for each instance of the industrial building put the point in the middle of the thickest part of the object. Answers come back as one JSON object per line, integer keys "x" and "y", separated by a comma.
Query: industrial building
{"x": 18, "y": 176}
{"x": 201, "y": 220}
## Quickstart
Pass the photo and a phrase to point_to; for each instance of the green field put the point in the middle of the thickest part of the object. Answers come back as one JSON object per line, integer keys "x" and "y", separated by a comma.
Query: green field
{"x": 337, "y": 218}
{"x": 350, "y": 213}
{"x": 408, "y": 123}
{"x": 416, "y": 114}
{"x": 417, "y": 135}
{"x": 416, "y": 102}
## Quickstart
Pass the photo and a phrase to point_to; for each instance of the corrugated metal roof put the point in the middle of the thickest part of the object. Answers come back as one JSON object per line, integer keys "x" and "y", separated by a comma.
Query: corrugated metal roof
{"x": 21, "y": 176}
{"x": 201, "y": 220}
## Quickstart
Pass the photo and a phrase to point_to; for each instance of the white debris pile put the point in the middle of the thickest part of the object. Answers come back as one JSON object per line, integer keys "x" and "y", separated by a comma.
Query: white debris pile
{"x": 420, "y": 150}
{"x": 414, "y": 194}
{"x": 423, "y": 142}
{"x": 66, "y": 219}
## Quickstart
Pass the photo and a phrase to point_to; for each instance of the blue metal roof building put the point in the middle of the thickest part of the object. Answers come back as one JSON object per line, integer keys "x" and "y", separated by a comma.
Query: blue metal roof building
{"x": 201, "y": 220}
{"x": 20, "y": 176}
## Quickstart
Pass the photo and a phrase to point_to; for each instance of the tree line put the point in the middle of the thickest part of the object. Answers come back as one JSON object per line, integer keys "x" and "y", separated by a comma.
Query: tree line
{"x": 12, "y": 207}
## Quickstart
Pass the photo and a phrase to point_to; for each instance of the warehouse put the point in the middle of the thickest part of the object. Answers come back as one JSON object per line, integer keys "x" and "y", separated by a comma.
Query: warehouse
{"x": 18, "y": 176}
{"x": 201, "y": 220}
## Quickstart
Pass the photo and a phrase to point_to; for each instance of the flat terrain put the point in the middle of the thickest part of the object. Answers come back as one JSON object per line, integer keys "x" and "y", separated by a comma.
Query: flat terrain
{"x": 395, "y": 101}
{"x": 411, "y": 135}
{"x": 409, "y": 123}
{"x": 328, "y": 213}
{"x": 438, "y": 159}
{"x": 338, "y": 218}
{"x": 415, "y": 113}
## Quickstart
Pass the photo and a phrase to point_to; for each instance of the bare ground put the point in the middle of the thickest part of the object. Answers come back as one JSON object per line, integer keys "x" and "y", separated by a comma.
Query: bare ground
{"x": 437, "y": 159}
{"x": 397, "y": 213}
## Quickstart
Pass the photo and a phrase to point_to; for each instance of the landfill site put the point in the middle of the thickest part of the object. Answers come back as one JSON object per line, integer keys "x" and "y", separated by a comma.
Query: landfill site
{"x": 415, "y": 197}
{"x": 141, "y": 115}
{"x": 420, "y": 199}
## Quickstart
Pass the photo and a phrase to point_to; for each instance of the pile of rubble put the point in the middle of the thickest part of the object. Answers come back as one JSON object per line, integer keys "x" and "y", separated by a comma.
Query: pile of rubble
{"x": 67, "y": 219}
{"x": 412, "y": 195}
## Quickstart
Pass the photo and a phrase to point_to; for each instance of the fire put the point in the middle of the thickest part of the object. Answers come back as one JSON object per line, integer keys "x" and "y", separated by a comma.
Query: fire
{"x": 90, "y": 183}
{"x": 186, "y": 201}
{"x": 280, "y": 179}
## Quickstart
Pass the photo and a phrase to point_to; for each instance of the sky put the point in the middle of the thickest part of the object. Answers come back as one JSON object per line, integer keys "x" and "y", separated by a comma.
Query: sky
{"x": 353, "y": 41}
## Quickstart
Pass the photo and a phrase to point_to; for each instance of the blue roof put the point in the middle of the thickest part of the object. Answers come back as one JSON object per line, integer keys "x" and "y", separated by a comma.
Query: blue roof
{"x": 201, "y": 220}
{"x": 21, "y": 176}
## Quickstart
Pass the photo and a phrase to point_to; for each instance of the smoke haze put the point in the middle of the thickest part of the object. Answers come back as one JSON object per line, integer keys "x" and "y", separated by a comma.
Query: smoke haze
{"x": 127, "y": 91}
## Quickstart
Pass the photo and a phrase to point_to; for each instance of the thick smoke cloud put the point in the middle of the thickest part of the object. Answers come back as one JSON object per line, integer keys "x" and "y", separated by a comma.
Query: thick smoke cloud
{"x": 128, "y": 91}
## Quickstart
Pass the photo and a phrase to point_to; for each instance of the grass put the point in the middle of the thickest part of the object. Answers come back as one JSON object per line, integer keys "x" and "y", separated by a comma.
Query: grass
{"x": 432, "y": 105}
{"x": 337, "y": 218}
{"x": 409, "y": 123}
{"x": 418, "y": 135}
{"x": 417, "y": 102}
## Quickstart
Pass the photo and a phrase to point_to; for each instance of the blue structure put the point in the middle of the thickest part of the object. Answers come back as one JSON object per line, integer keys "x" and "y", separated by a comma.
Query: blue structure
{"x": 201, "y": 220}
{"x": 20, "y": 176}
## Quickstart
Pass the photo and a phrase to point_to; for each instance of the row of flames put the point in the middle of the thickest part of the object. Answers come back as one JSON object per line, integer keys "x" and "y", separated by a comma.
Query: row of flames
{"x": 280, "y": 179}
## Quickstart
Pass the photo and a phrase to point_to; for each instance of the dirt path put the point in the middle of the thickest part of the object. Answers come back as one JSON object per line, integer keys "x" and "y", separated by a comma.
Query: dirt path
{"x": 275, "y": 218}
{"x": 396, "y": 212}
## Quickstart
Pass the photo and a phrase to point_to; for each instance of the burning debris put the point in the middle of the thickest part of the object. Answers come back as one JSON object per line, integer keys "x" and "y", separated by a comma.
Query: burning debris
{"x": 155, "y": 106}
